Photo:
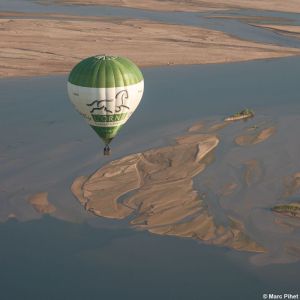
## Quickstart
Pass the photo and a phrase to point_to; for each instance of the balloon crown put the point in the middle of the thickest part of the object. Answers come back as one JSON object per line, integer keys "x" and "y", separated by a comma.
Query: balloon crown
{"x": 105, "y": 57}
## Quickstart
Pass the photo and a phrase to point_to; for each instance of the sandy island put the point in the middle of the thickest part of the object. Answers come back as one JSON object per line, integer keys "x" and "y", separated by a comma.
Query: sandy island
{"x": 194, "y": 5}
{"x": 41, "y": 44}
{"x": 155, "y": 189}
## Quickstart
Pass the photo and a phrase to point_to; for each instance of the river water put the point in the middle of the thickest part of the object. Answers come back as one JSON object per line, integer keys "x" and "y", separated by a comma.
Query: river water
{"x": 45, "y": 145}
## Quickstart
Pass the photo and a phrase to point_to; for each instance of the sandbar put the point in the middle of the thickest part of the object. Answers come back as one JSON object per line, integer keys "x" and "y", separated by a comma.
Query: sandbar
{"x": 41, "y": 204}
{"x": 228, "y": 189}
{"x": 196, "y": 127}
{"x": 291, "y": 184}
{"x": 207, "y": 128}
{"x": 41, "y": 44}
{"x": 253, "y": 171}
{"x": 154, "y": 189}
{"x": 257, "y": 138}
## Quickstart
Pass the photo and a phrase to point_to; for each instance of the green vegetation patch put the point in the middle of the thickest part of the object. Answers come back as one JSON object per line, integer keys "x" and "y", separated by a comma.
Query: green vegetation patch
{"x": 292, "y": 209}
{"x": 244, "y": 112}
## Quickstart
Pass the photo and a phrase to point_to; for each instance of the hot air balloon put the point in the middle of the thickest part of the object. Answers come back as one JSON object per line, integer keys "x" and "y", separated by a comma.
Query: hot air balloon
{"x": 106, "y": 90}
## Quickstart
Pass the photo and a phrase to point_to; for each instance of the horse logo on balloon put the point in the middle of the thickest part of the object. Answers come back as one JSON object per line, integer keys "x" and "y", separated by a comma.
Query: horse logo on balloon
{"x": 121, "y": 100}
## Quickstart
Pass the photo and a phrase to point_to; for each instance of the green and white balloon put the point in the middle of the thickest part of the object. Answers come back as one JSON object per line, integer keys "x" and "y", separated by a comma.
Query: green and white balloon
{"x": 106, "y": 90}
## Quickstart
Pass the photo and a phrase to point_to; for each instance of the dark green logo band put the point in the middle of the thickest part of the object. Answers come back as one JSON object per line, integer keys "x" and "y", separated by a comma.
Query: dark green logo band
{"x": 109, "y": 118}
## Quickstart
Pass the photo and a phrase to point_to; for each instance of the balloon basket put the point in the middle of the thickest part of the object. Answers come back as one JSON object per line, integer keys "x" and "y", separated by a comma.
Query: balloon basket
{"x": 106, "y": 151}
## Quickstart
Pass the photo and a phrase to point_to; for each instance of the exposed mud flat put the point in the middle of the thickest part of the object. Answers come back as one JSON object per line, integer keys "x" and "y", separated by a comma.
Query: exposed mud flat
{"x": 41, "y": 204}
{"x": 221, "y": 197}
{"x": 164, "y": 201}
{"x": 253, "y": 171}
{"x": 257, "y": 138}
{"x": 228, "y": 189}
{"x": 292, "y": 184}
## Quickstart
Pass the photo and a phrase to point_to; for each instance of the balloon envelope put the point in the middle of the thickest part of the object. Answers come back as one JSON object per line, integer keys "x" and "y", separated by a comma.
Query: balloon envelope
{"x": 106, "y": 90}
